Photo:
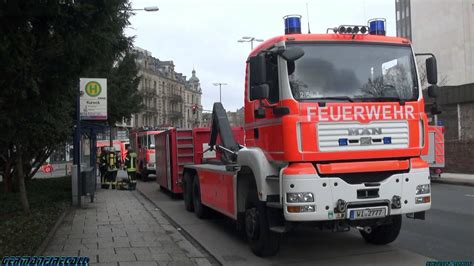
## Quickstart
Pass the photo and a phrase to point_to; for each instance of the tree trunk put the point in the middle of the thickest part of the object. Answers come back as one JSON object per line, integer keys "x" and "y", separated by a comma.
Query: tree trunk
{"x": 21, "y": 181}
{"x": 7, "y": 177}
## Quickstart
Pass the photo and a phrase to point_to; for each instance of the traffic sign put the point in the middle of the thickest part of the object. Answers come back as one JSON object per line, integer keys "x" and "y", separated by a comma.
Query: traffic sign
{"x": 93, "y": 102}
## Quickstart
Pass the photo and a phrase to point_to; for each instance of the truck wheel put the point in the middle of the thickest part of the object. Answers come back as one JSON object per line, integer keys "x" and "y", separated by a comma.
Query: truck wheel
{"x": 200, "y": 210}
{"x": 384, "y": 234}
{"x": 188, "y": 192}
{"x": 263, "y": 242}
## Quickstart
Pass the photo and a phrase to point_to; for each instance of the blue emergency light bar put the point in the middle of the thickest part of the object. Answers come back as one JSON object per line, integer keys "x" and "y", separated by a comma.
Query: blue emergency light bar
{"x": 377, "y": 26}
{"x": 292, "y": 24}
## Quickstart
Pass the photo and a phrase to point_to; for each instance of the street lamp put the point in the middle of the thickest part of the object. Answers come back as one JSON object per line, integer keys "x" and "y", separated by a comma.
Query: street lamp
{"x": 147, "y": 9}
{"x": 250, "y": 40}
{"x": 220, "y": 91}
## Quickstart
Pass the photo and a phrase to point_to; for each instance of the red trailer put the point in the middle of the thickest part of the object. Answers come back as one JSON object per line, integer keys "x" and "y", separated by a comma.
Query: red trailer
{"x": 176, "y": 148}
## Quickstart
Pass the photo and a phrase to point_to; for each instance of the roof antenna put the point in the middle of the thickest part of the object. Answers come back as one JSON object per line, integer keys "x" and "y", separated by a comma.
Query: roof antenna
{"x": 307, "y": 15}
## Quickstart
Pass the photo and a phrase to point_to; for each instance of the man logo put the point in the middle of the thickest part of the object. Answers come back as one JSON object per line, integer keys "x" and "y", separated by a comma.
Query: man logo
{"x": 364, "y": 131}
{"x": 93, "y": 88}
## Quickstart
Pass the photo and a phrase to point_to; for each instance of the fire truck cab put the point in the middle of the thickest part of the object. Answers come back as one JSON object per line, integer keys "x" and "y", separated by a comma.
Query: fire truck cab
{"x": 142, "y": 142}
{"x": 334, "y": 133}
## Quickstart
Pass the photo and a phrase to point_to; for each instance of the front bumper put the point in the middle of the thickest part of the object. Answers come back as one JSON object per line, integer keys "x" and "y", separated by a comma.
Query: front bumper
{"x": 328, "y": 191}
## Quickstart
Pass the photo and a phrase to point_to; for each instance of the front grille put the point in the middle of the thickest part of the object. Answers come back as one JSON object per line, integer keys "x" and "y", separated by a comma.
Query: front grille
{"x": 360, "y": 178}
{"x": 360, "y": 137}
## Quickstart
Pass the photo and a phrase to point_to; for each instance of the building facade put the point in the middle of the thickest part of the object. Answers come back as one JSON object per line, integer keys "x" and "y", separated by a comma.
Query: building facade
{"x": 169, "y": 98}
{"x": 236, "y": 119}
{"x": 446, "y": 29}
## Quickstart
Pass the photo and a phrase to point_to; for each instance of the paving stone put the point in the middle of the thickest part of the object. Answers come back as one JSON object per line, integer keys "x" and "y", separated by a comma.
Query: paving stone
{"x": 53, "y": 248}
{"x": 116, "y": 257}
{"x": 189, "y": 249}
{"x": 133, "y": 250}
{"x": 114, "y": 245}
{"x": 62, "y": 253}
{"x": 180, "y": 263}
{"x": 111, "y": 234}
{"x": 97, "y": 240}
{"x": 80, "y": 246}
{"x": 145, "y": 244}
{"x": 201, "y": 262}
{"x": 91, "y": 253}
{"x": 118, "y": 230}
{"x": 138, "y": 263}
{"x": 106, "y": 264}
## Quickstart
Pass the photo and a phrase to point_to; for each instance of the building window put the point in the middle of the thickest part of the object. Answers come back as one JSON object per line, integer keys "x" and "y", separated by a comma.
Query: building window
{"x": 398, "y": 15}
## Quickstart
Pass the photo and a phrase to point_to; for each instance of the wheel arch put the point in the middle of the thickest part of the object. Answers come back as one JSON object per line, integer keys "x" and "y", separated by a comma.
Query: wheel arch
{"x": 254, "y": 163}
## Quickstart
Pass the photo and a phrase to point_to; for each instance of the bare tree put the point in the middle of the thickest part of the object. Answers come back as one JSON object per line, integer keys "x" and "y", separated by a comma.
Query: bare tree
{"x": 442, "y": 80}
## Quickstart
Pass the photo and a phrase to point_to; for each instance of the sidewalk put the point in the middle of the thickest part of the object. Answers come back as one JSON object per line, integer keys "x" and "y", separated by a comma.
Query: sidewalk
{"x": 122, "y": 228}
{"x": 455, "y": 179}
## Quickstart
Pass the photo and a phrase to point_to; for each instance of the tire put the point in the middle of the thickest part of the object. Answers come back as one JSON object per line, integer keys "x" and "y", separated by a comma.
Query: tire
{"x": 200, "y": 210}
{"x": 188, "y": 192}
{"x": 384, "y": 234}
{"x": 263, "y": 242}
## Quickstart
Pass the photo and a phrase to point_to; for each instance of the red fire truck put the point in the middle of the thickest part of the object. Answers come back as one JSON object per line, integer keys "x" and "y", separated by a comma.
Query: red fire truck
{"x": 176, "y": 148}
{"x": 143, "y": 142}
{"x": 435, "y": 156}
{"x": 117, "y": 144}
{"x": 334, "y": 133}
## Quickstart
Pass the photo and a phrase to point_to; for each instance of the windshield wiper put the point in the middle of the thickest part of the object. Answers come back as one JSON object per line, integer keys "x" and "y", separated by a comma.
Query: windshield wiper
{"x": 346, "y": 98}
{"x": 387, "y": 99}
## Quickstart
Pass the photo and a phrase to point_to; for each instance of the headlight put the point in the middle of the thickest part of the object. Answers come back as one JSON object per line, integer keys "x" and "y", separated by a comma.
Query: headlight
{"x": 299, "y": 197}
{"x": 423, "y": 189}
{"x": 305, "y": 208}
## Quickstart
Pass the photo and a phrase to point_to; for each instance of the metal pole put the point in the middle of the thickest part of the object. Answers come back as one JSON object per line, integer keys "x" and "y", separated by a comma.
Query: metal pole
{"x": 78, "y": 144}
{"x": 220, "y": 92}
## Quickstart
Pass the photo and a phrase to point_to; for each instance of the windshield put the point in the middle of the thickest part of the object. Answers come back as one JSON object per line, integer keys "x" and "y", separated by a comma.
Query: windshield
{"x": 151, "y": 141}
{"x": 353, "y": 71}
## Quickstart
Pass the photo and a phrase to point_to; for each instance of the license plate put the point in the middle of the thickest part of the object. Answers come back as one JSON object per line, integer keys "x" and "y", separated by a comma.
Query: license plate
{"x": 367, "y": 213}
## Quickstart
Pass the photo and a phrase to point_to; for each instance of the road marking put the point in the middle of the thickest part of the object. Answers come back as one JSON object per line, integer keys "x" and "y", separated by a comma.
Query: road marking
{"x": 469, "y": 195}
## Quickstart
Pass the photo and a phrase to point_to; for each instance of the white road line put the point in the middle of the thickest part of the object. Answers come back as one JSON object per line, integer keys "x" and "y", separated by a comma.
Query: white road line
{"x": 469, "y": 195}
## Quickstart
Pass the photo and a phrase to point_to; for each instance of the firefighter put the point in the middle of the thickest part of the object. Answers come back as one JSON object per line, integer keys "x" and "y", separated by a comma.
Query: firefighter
{"x": 103, "y": 167}
{"x": 111, "y": 168}
{"x": 131, "y": 168}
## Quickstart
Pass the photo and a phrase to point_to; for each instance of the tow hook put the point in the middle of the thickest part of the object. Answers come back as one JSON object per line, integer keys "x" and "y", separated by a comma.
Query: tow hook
{"x": 396, "y": 202}
{"x": 366, "y": 229}
{"x": 341, "y": 206}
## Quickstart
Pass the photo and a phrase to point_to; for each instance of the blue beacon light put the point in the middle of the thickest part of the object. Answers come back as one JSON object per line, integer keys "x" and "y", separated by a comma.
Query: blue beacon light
{"x": 377, "y": 26}
{"x": 292, "y": 24}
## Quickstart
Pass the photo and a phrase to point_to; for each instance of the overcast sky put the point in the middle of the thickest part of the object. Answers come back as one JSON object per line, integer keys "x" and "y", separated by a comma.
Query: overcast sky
{"x": 203, "y": 34}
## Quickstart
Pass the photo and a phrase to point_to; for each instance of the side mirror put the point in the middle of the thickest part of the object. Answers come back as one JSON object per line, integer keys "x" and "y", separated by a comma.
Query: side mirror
{"x": 258, "y": 71}
{"x": 431, "y": 71}
{"x": 433, "y": 91}
{"x": 292, "y": 53}
{"x": 259, "y": 92}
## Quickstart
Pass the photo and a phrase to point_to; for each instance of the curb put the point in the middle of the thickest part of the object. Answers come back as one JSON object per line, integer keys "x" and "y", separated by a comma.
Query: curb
{"x": 457, "y": 182}
{"x": 208, "y": 255}
{"x": 51, "y": 233}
